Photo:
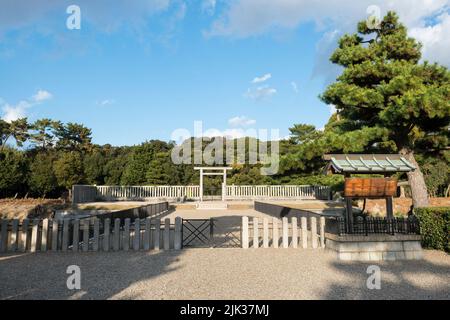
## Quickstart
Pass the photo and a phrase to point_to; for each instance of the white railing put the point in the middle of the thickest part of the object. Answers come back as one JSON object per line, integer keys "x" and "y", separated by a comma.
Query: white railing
{"x": 81, "y": 193}
{"x": 277, "y": 192}
{"x": 144, "y": 192}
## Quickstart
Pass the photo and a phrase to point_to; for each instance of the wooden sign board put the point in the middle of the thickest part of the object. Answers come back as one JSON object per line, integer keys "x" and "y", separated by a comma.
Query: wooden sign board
{"x": 370, "y": 187}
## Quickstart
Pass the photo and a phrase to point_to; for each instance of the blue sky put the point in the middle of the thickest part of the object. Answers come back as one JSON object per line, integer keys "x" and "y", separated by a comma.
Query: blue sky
{"x": 138, "y": 70}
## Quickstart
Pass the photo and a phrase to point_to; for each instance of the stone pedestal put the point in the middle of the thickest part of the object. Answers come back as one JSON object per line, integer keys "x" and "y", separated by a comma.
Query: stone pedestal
{"x": 375, "y": 247}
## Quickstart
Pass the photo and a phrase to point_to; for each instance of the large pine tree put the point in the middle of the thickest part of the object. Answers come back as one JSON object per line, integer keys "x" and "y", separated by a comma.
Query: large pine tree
{"x": 388, "y": 99}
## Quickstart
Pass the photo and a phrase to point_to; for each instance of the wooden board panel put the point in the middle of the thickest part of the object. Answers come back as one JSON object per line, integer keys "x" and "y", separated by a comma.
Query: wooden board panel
{"x": 370, "y": 187}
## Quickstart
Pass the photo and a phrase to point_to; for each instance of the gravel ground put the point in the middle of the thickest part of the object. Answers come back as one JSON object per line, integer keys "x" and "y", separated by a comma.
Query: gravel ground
{"x": 220, "y": 274}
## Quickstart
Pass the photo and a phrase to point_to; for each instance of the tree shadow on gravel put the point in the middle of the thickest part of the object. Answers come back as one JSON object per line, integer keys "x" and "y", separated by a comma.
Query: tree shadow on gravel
{"x": 103, "y": 274}
{"x": 421, "y": 279}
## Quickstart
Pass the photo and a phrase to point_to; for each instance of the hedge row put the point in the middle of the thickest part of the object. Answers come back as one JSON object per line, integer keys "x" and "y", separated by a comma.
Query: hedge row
{"x": 434, "y": 227}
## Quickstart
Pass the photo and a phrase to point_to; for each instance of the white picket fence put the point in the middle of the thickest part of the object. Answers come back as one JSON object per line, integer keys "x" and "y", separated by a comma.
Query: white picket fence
{"x": 273, "y": 233}
{"x": 87, "y": 193}
{"x": 89, "y": 235}
{"x": 260, "y": 192}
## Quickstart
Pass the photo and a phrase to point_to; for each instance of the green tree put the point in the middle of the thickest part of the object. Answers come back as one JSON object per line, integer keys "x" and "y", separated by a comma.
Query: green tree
{"x": 140, "y": 161}
{"x": 247, "y": 175}
{"x": 42, "y": 179}
{"x": 114, "y": 169}
{"x": 4, "y": 133}
{"x": 73, "y": 137}
{"x": 94, "y": 166}
{"x": 13, "y": 172}
{"x": 386, "y": 100}
{"x": 161, "y": 170}
{"x": 69, "y": 169}
{"x": 42, "y": 133}
{"x": 437, "y": 175}
{"x": 301, "y": 133}
{"x": 17, "y": 129}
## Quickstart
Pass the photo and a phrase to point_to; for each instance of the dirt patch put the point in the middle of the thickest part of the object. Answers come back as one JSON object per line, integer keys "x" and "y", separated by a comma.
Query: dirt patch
{"x": 112, "y": 206}
{"x": 29, "y": 208}
{"x": 401, "y": 205}
{"x": 310, "y": 204}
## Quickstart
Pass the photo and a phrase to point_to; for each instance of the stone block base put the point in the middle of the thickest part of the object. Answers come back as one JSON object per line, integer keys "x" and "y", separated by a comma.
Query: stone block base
{"x": 375, "y": 247}
{"x": 212, "y": 205}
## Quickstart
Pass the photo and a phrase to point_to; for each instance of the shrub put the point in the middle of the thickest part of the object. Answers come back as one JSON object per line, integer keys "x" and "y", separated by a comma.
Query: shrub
{"x": 434, "y": 227}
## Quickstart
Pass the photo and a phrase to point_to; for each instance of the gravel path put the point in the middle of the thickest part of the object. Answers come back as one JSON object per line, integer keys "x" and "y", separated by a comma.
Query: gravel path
{"x": 220, "y": 274}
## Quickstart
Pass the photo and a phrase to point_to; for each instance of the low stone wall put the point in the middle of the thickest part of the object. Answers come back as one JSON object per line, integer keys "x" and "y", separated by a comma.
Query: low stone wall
{"x": 375, "y": 247}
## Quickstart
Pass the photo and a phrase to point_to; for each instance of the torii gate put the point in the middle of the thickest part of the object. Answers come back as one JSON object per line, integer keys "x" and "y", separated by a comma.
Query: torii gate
{"x": 211, "y": 171}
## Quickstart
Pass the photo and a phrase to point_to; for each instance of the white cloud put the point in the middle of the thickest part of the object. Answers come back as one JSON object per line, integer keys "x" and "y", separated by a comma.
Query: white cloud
{"x": 264, "y": 78}
{"x": 241, "y": 121}
{"x": 42, "y": 95}
{"x": 249, "y": 18}
{"x": 435, "y": 40}
{"x": 294, "y": 86}
{"x": 14, "y": 112}
{"x": 244, "y": 18}
{"x": 260, "y": 93}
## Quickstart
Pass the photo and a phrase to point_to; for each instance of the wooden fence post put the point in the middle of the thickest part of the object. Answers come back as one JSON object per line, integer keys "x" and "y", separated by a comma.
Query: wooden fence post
{"x": 4, "y": 235}
{"x": 96, "y": 235}
{"x": 255, "y": 233}
{"x": 65, "y": 241}
{"x": 34, "y": 235}
{"x": 137, "y": 234}
{"x": 106, "y": 235}
{"x": 313, "y": 222}
{"x": 167, "y": 234}
{"x": 178, "y": 233}
{"x": 55, "y": 226}
{"x": 276, "y": 237}
{"x": 322, "y": 232}
{"x": 14, "y": 235}
{"x": 24, "y": 235}
{"x": 44, "y": 235}
{"x": 147, "y": 234}
{"x": 156, "y": 234}
{"x": 86, "y": 226}
{"x": 76, "y": 235}
{"x": 265, "y": 233}
{"x": 116, "y": 235}
{"x": 245, "y": 232}
{"x": 294, "y": 232}
{"x": 285, "y": 233}
{"x": 126, "y": 235}
{"x": 304, "y": 230}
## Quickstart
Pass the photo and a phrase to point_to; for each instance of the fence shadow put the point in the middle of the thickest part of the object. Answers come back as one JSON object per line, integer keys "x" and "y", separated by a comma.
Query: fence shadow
{"x": 420, "y": 279}
{"x": 103, "y": 274}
